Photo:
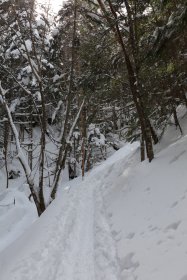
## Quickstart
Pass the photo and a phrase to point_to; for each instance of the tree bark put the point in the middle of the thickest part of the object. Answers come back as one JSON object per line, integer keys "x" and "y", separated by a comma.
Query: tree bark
{"x": 6, "y": 137}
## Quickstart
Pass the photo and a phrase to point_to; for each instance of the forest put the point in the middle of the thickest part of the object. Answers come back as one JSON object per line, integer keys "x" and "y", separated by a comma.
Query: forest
{"x": 76, "y": 84}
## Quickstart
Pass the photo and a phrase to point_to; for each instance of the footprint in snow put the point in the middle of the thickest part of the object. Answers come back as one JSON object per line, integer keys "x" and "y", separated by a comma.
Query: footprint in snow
{"x": 171, "y": 237}
{"x": 130, "y": 235}
{"x": 128, "y": 263}
{"x": 174, "y": 204}
{"x": 173, "y": 226}
{"x": 154, "y": 228}
{"x": 160, "y": 242}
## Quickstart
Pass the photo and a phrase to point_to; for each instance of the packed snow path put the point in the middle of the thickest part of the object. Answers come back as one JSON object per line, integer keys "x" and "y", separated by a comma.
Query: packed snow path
{"x": 72, "y": 241}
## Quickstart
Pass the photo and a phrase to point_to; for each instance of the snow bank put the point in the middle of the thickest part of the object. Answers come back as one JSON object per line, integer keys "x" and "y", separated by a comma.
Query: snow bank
{"x": 146, "y": 207}
{"x": 16, "y": 215}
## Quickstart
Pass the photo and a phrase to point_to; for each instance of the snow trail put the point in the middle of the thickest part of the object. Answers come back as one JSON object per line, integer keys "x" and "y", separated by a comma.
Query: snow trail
{"x": 105, "y": 249}
{"x": 77, "y": 245}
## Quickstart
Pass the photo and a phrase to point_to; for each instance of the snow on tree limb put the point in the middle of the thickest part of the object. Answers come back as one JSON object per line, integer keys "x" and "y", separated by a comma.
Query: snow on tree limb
{"x": 28, "y": 92}
{"x": 15, "y": 132}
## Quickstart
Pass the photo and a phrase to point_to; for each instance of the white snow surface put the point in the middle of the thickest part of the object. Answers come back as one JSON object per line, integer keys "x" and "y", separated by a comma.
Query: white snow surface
{"x": 16, "y": 215}
{"x": 126, "y": 220}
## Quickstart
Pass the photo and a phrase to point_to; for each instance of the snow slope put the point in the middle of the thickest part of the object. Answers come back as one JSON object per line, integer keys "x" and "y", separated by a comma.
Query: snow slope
{"x": 126, "y": 220}
{"x": 148, "y": 217}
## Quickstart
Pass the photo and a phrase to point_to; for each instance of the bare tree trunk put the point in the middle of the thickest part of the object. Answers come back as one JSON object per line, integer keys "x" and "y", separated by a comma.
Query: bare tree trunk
{"x": 177, "y": 124}
{"x": 42, "y": 153}
{"x": 142, "y": 148}
{"x": 30, "y": 146}
{"x": 88, "y": 163}
{"x": 83, "y": 132}
{"x": 6, "y": 137}
{"x": 153, "y": 133}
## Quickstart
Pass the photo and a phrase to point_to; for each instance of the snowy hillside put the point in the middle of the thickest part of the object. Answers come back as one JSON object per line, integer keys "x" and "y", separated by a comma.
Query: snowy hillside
{"x": 125, "y": 220}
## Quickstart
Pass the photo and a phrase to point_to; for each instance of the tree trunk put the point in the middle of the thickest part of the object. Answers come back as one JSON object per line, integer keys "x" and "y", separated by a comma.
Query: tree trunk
{"x": 142, "y": 148}
{"x": 83, "y": 132}
{"x": 6, "y": 137}
{"x": 177, "y": 124}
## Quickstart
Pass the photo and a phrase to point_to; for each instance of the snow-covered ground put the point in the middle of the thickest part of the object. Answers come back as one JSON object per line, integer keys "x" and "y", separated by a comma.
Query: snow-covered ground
{"x": 17, "y": 213}
{"x": 125, "y": 220}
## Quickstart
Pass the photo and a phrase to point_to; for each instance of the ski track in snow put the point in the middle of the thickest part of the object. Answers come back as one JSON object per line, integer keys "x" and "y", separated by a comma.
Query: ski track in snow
{"x": 79, "y": 243}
